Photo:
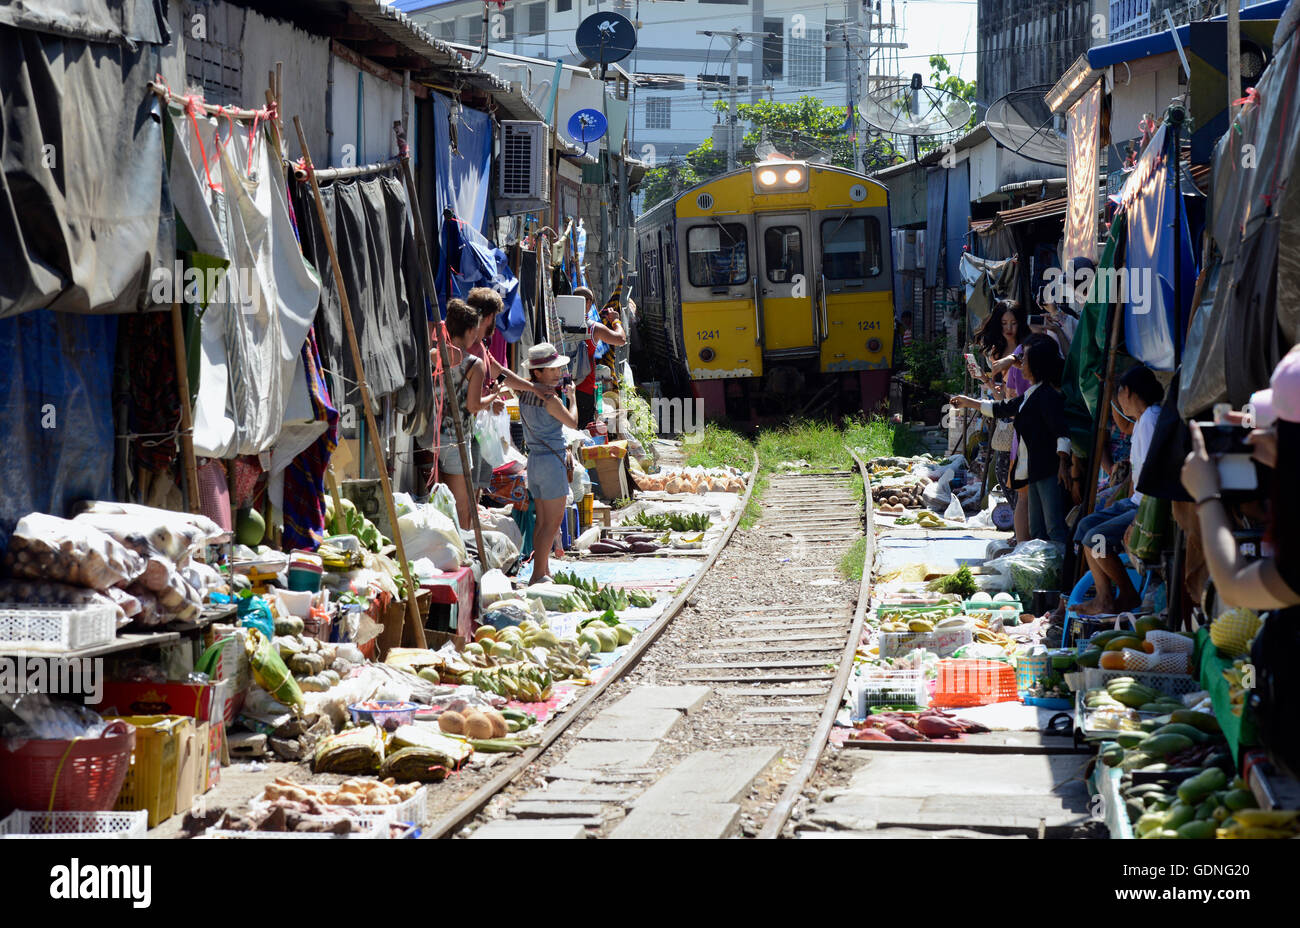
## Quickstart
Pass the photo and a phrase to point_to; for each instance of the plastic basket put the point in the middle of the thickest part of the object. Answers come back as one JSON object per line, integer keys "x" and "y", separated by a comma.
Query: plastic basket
{"x": 55, "y": 628}
{"x": 151, "y": 782}
{"x": 974, "y": 683}
{"x": 1029, "y": 667}
{"x": 71, "y": 824}
{"x": 942, "y": 642}
{"x": 85, "y": 775}
{"x": 411, "y": 810}
{"x": 388, "y": 710}
{"x": 891, "y": 688}
{"x": 372, "y": 828}
{"x": 1173, "y": 684}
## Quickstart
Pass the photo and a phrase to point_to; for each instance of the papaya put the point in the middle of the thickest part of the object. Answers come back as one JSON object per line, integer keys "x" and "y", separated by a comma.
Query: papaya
{"x": 1205, "y": 721}
{"x": 1179, "y": 728}
{"x": 1090, "y": 657}
{"x": 1195, "y": 789}
{"x": 1111, "y": 660}
{"x": 1198, "y": 830}
{"x": 1122, "y": 642}
{"x": 1237, "y": 799}
{"x": 1099, "y": 640}
{"x": 1147, "y": 623}
{"x": 1164, "y": 744}
{"x": 1129, "y": 739}
{"x": 1179, "y": 814}
{"x": 1113, "y": 756}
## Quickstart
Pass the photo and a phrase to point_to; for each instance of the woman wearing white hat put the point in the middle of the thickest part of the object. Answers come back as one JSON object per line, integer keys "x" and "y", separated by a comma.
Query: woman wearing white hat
{"x": 543, "y": 419}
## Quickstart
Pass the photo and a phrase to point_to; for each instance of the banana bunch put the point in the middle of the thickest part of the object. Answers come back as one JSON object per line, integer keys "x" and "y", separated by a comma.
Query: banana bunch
{"x": 568, "y": 659}
{"x": 1237, "y": 689}
{"x": 522, "y": 682}
{"x": 590, "y": 596}
{"x": 1261, "y": 823}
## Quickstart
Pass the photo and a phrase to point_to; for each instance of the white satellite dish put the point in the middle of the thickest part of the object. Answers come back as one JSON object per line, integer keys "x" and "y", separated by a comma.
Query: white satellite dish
{"x": 1022, "y": 123}
{"x": 906, "y": 107}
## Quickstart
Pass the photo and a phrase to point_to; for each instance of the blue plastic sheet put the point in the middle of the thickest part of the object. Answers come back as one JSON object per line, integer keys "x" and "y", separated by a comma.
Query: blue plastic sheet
{"x": 463, "y": 174}
{"x": 1155, "y": 317}
{"x": 56, "y": 413}
{"x": 468, "y": 260}
{"x": 958, "y": 220}
{"x": 936, "y": 188}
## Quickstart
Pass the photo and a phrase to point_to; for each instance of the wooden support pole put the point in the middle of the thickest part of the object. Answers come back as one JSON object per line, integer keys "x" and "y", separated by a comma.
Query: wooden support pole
{"x": 1103, "y": 412}
{"x": 412, "y": 608}
{"x": 187, "y": 414}
{"x": 430, "y": 289}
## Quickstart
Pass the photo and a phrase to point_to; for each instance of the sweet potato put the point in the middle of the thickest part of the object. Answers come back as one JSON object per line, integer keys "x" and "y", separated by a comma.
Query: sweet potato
{"x": 898, "y": 731}
{"x": 868, "y": 733}
{"x": 936, "y": 726}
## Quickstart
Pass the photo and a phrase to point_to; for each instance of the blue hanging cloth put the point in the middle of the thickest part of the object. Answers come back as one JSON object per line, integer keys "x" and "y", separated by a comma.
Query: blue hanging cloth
{"x": 469, "y": 260}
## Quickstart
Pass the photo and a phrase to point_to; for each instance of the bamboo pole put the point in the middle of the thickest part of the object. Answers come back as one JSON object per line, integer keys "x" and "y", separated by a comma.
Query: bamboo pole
{"x": 430, "y": 288}
{"x": 187, "y": 415}
{"x": 412, "y": 608}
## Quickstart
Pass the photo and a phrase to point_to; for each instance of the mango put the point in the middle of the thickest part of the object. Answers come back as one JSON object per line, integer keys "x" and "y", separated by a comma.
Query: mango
{"x": 1199, "y": 830}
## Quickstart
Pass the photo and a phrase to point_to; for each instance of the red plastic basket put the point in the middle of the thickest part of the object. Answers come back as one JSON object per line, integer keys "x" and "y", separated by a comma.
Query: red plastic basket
{"x": 974, "y": 683}
{"x": 85, "y": 775}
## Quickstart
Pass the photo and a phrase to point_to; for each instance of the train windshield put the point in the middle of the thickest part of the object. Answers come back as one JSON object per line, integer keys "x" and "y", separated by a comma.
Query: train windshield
{"x": 783, "y": 253}
{"x": 718, "y": 254}
{"x": 851, "y": 247}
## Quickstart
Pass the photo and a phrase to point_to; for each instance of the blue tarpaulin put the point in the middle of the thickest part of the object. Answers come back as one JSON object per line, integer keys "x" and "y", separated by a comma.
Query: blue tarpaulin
{"x": 468, "y": 260}
{"x": 56, "y": 412}
{"x": 936, "y": 186}
{"x": 958, "y": 219}
{"x": 1157, "y": 224}
{"x": 465, "y": 171}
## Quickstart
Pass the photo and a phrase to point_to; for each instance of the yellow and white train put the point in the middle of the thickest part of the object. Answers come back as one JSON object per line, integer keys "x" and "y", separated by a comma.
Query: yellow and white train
{"x": 769, "y": 285}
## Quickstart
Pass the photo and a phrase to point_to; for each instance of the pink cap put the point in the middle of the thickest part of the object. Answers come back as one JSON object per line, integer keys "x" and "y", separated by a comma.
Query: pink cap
{"x": 1286, "y": 386}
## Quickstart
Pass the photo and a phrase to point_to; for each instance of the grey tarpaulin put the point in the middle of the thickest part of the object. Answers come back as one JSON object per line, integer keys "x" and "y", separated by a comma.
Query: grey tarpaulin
{"x": 936, "y": 189}
{"x": 375, "y": 240}
{"x": 117, "y": 21}
{"x": 82, "y": 186}
{"x": 984, "y": 281}
{"x": 1256, "y": 232}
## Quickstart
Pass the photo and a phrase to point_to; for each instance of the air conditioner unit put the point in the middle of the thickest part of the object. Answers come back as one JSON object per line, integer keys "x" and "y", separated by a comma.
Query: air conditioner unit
{"x": 522, "y": 173}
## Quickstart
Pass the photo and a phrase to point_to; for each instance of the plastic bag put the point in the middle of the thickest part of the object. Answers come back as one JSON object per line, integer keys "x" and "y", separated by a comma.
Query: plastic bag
{"x": 501, "y": 552}
{"x": 492, "y": 433}
{"x": 939, "y": 490}
{"x": 149, "y": 532}
{"x": 49, "y": 593}
{"x": 1035, "y": 565}
{"x": 429, "y": 532}
{"x": 45, "y": 547}
{"x": 270, "y": 671}
{"x": 954, "y": 512}
{"x": 580, "y": 485}
{"x": 494, "y": 586}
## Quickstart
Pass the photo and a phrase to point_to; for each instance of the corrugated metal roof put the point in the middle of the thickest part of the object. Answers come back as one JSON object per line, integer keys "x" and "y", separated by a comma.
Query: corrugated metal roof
{"x": 1160, "y": 42}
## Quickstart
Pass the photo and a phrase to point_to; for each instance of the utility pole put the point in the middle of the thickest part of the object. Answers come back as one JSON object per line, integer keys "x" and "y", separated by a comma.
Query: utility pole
{"x": 735, "y": 36}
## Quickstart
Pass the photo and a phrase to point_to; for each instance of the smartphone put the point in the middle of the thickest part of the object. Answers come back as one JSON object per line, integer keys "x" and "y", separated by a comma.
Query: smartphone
{"x": 567, "y": 381}
{"x": 501, "y": 378}
{"x": 973, "y": 366}
{"x": 1038, "y": 320}
{"x": 1226, "y": 439}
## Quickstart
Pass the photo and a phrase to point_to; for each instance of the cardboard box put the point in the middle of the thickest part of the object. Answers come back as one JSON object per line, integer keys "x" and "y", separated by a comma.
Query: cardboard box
{"x": 203, "y": 746}
{"x": 200, "y": 702}
{"x": 611, "y": 474}
{"x": 187, "y": 767}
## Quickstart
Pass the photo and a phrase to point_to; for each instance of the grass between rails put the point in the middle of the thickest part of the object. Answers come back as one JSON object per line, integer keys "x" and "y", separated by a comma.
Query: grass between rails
{"x": 823, "y": 445}
{"x": 853, "y": 561}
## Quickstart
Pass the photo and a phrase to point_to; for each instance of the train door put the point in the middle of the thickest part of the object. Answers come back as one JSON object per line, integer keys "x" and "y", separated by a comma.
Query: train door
{"x": 783, "y": 278}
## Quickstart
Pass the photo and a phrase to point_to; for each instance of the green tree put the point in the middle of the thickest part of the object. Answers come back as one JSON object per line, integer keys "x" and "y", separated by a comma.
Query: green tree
{"x": 804, "y": 129}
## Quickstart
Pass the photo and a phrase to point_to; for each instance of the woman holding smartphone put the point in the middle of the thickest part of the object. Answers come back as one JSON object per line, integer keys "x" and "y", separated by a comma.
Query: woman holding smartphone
{"x": 548, "y": 456}
{"x": 1001, "y": 337}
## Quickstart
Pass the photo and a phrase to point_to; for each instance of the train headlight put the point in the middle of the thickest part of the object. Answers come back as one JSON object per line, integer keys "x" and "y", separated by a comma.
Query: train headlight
{"x": 793, "y": 176}
{"x": 874, "y": 345}
{"x": 707, "y": 355}
{"x": 767, "y": 178}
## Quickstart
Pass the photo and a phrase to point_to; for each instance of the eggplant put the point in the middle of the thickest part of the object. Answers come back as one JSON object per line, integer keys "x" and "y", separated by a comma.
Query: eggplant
{"x": 644, "y": 547}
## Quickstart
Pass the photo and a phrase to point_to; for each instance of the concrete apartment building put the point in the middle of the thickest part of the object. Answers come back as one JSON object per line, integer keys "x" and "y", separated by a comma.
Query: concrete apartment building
{"x": 684, "y": 72}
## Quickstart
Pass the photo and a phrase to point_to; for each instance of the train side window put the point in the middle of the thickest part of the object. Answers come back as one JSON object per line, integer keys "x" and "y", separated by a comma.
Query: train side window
{"x": 718, "y": 254}
{"x": 851, "y": 248}
{"x": 783, "y": 253}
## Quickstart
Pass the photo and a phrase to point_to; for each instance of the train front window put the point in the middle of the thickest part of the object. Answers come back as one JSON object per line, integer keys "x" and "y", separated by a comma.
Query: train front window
{"x": 851, "y": 248}
{"x": 718, "y": 255}
{"x": 783, "y": 253}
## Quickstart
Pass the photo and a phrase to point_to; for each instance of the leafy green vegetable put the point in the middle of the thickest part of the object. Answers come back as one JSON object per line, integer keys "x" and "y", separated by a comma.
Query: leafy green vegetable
{"x": 960, "y": 582}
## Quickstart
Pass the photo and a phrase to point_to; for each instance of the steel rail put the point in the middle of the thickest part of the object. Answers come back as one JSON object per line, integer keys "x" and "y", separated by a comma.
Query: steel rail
{"x": 469, "y": 807}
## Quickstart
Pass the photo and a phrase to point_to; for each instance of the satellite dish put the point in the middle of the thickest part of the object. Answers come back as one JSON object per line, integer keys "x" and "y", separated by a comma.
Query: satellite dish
{"x": 1022, "y": 122}
{"x": 905, "y": 107}
{"x": 587, "y": 126}
{"x": 606, "y": 37}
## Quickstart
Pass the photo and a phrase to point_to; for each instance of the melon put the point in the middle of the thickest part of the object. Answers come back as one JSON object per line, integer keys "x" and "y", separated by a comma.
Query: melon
{"x": 250, "y": 527}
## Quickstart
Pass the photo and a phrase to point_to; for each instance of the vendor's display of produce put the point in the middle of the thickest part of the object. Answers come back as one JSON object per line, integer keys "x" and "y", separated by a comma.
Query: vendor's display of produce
{"x": 691, "y": 480}
{"x": 1148, "y": 647}
{"x": 672, "y": 521}
{"x": 926, "y": 725}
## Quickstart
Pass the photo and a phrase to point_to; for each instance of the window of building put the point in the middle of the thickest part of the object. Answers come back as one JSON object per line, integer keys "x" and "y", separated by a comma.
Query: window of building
{"x": 783, "y": 253}
{"x": 807, "y": 58}
{"x": 718, "y": 254}
{"x": 563, "y": 6}
{"x": 658, "y": 113}
{"x": 851, "y": 248}
{"x": 471, "y": 29}
{"x": 536, "y": 19}
{"x": 217, "y": 63}
{"x": 835, "y": 52}
{"x": 447, "y": 30}
{"x": 773, "y": 49}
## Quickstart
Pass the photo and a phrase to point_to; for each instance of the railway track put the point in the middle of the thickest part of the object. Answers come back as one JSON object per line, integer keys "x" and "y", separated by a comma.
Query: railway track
{"x": 714, "y": 723}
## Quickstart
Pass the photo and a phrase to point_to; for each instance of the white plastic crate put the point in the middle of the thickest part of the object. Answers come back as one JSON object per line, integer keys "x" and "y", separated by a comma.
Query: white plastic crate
{"x": 55, "y": 628}
{"x": 1173, "y": 684}
{"x": 942, "y": 643}
{"x": 410, "y": 810}
{"x": 74, "y": 824}
{"x": 890, "y": 688}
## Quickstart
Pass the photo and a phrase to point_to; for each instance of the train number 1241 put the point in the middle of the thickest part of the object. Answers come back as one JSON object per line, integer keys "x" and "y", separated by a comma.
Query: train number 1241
{"x": 708, "y": 334}
{"x": 865, "y": 325}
